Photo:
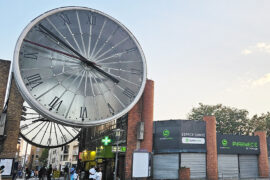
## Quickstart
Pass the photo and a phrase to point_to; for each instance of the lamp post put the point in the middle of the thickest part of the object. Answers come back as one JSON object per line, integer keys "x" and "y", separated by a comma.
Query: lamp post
{"x": 117, "y": 136}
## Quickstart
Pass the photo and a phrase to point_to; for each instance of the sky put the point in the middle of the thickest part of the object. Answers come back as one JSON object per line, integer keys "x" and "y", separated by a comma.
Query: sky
{"x": 196, "y": 51}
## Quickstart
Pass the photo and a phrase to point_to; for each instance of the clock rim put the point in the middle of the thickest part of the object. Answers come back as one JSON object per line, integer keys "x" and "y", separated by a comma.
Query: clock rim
{"x": 43, "y": 111}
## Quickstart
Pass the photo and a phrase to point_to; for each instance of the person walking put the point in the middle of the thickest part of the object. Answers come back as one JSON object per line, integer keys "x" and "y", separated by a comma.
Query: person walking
{"x": 42, "y": 173}
{"x": 99, "y": 174}
{"x": 49, "y": 172}
{"x": 92, "y": 173}
{"x": 66, "y": 173}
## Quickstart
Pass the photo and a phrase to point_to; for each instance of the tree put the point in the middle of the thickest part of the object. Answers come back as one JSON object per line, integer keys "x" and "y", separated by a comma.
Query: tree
{"x": 261, "y": 123}
{"x": 44, "y": 157}
{"x": 229, "y": 120}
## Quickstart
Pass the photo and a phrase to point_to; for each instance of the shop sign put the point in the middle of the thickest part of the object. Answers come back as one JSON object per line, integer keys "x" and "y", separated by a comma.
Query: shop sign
{"x": 236, "y": 144}
{"x": 120, "y": 149}
{"x": 179, "y": 136}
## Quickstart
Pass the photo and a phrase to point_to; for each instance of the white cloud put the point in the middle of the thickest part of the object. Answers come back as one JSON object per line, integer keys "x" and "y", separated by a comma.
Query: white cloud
{"x": 262, "y": 81}
{"x": 263, "y": 47}
{"x": 246, "y": 52}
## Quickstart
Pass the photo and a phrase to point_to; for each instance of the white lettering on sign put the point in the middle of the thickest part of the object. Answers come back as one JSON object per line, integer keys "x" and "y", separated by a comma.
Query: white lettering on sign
{"x": 192, "y": 140}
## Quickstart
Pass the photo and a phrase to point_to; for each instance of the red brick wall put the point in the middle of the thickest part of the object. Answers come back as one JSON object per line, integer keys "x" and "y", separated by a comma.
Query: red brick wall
{"x": 211, "y": 146}
{"x": 263, "y": 157}
{"x": 148, "y": 115}
{"x": 13, "y": 122}
{"x": 142, "y": 111}
{"x": 13, "y": 113}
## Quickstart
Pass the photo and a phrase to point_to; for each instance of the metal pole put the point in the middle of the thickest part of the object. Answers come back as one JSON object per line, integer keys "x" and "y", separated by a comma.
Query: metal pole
{"x": 24, "y": 160}
{"x": 116, "y": 160}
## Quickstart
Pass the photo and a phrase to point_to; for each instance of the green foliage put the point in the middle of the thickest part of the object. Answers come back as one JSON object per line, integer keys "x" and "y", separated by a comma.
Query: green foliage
{"x": 229, "y": 120}
{"x": 44, "y": 157}
{"x": 261, "y": 123}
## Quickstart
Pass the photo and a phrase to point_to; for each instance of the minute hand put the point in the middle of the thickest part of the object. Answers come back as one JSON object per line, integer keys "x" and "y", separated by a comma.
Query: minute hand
{"x": 83, "y": 59}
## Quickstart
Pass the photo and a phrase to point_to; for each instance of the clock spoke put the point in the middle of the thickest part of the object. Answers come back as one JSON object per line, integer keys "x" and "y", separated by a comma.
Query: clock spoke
{"x": 67, "y": 112}
{"x": 68, "y": 131}
{"x": 118, "y": 54}
{"x": 105, "y": 43}
{"x": 44, "y": 132}
{"x": 91, "y": 22}
{"x": 81, "y": 32}
{"x": 63, "y": 136}
{"x": 55, "y": 134}
{"x": 98, "y": 38}
{"x": 58, "y": 31}
{"x": 112, "y": 48}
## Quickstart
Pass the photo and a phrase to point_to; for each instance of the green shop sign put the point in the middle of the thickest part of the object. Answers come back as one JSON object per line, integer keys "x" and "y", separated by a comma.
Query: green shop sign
{"x": 235, "y": 144}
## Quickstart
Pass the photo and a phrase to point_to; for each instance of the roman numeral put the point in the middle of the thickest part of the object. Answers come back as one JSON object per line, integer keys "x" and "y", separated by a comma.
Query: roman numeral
{"x": 131, "y": 50}
{"x": 55, "y": 103}
{"x": 65, "y": 18}
{"x": 83, "y": 113}
{"x": 34, "y": 80}
{"x": 25, "y": 126}
{"x": 49, "y": 141}
{"x": 129, "y": 93}
{"x": 135, "y": 71}
{"x": 64, "y": 138}
{"x": 31, "y": 55}
{"x": 92, "y": 19}
{"x": 110, "y": 109}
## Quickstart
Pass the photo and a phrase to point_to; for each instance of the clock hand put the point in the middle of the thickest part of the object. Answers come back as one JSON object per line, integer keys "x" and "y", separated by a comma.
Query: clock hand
{"x": 81, "y": 58}
{"x": 55, "y": 50}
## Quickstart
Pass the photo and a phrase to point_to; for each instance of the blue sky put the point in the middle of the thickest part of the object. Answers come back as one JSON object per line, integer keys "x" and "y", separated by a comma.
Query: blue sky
{"x": 196, "y": 51}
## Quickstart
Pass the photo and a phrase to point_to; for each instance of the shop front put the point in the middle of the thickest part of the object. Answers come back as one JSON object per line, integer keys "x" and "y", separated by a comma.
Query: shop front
{"x": 179, "y": 143}
{"x": 238, "y": 156}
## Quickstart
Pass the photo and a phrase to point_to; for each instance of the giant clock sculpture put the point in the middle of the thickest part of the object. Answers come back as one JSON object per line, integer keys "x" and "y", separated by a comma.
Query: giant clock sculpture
{"x": 78, "y": 66}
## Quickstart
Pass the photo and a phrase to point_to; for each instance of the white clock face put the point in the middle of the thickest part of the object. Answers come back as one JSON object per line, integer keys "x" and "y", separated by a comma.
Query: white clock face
{"x": 43, "y": 133}
{"x": 78, "y": 66}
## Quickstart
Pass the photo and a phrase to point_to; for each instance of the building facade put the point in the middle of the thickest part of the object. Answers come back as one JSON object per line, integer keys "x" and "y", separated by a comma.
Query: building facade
{"x": 62, "y": 156}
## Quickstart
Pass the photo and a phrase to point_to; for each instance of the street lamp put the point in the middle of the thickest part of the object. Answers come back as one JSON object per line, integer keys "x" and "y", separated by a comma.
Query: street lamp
{"x": 117, "y": 137}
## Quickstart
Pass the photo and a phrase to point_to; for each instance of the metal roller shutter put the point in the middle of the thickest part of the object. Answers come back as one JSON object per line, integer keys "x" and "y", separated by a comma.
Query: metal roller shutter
{"x": 196, "y": 162}
{"x": 166, "y": 166}
{"x": 248, "y": 166}
{"x": 269, "y": 165}
{"x": 228, "y": 166}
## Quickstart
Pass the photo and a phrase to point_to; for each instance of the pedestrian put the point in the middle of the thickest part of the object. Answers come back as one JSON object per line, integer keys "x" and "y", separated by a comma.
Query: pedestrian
{"x": 74, "y": 175}
{"x": 99, "y": 174}
{"x": 49, "y": 172}
{"x": 92, "y": 173}
{"x": 42, "y": 173}
{"x": 27, "y": 173}
{"x": 66, "y": 172}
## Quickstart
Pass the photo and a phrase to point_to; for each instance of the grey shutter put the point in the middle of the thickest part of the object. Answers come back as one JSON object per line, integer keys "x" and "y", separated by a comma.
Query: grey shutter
{"x": 269, "y": 165}
{"x": 228, "y": 166}
{"x": 166, "y": 166}
{"x": 248, "y": 166}
{"x": 196, "y": 162}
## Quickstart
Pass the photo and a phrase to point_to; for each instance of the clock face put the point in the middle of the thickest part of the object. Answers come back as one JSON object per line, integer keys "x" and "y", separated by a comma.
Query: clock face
{"x": 41, "y": 132}
{"x": 79, "y": 66}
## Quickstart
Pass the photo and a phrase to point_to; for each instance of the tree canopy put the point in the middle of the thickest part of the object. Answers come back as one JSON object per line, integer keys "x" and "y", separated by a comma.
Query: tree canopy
{"x": 231, "y": 120}
{"x": 44, "y": 157}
